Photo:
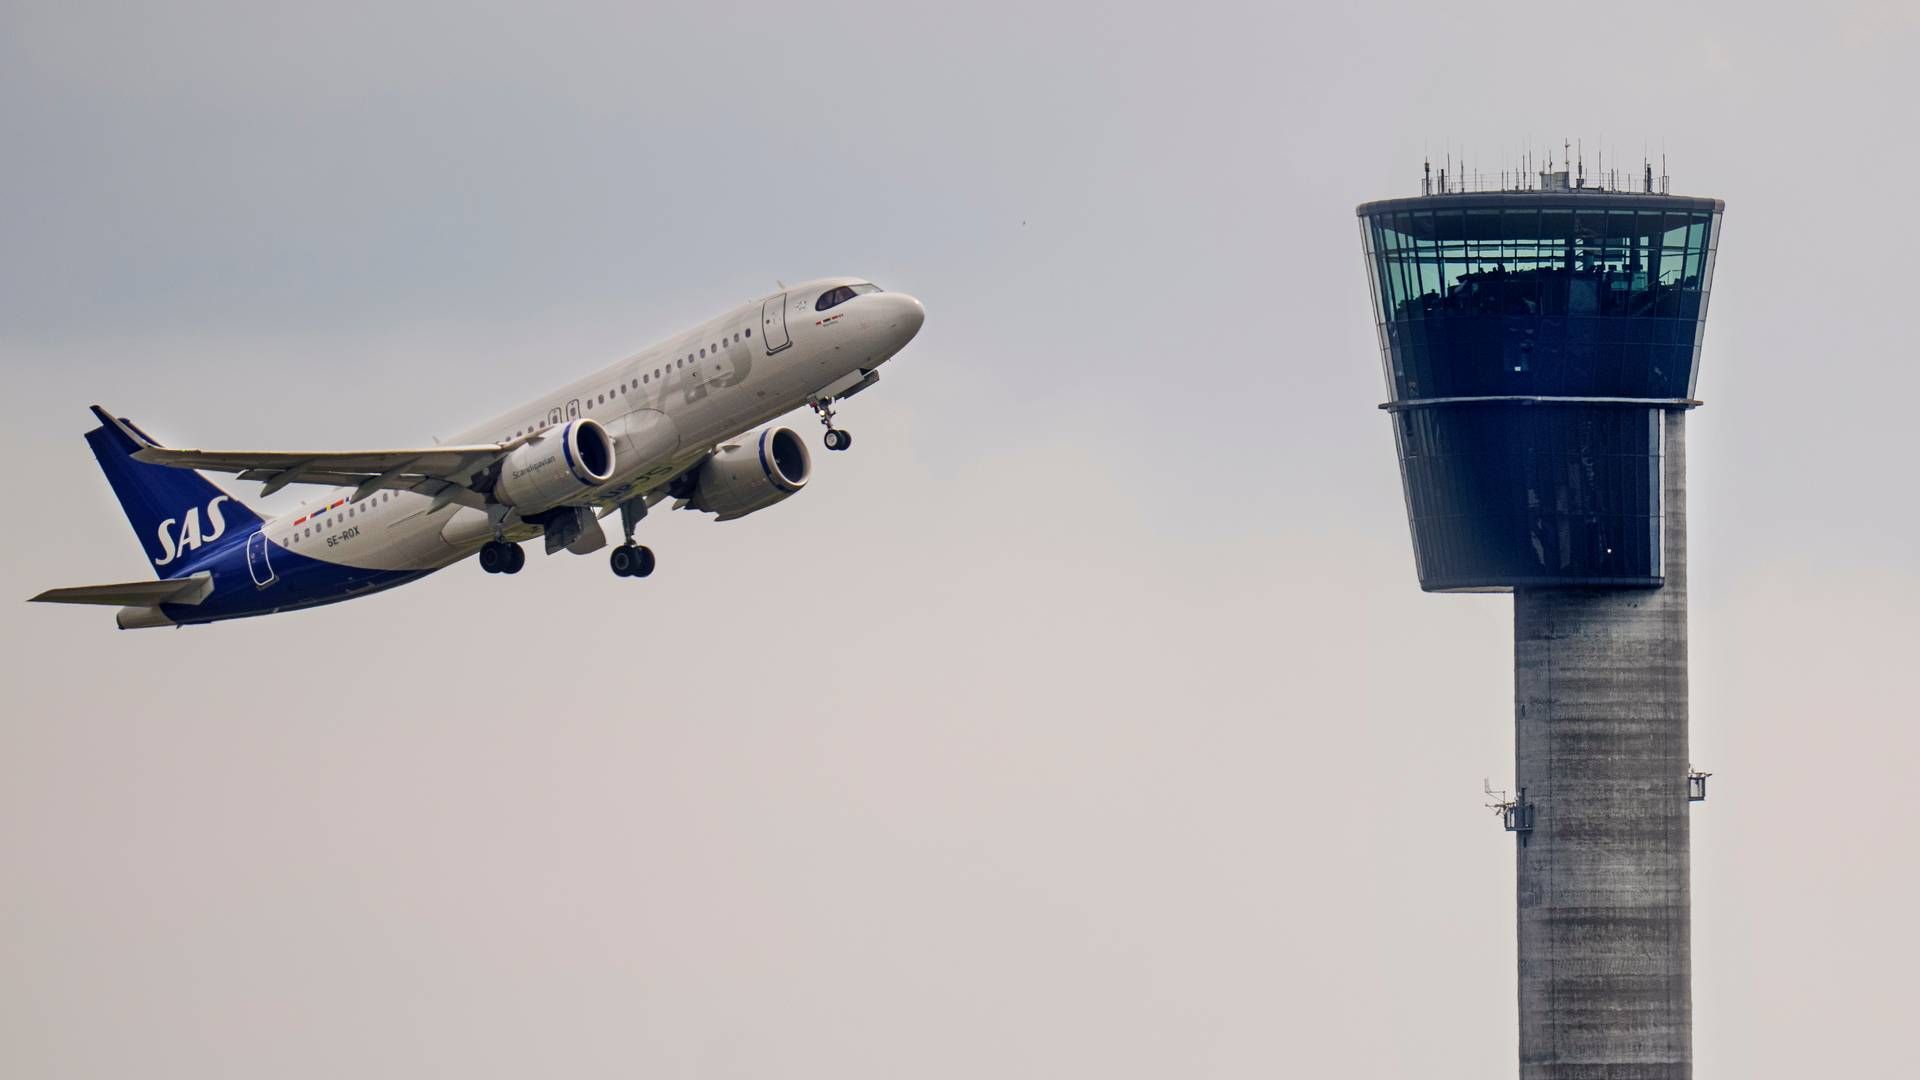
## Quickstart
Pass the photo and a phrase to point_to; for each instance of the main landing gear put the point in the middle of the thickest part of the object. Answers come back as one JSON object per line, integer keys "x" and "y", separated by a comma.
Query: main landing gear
{"x": 500, "y": 557}
{"x": 631, "y": 559}
{"x": 836, "y": 439}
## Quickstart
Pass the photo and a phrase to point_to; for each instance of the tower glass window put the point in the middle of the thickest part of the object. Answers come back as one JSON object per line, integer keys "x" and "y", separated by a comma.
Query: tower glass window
{"x": 1573, "y": 296}
{"x": 1531, "y": 342}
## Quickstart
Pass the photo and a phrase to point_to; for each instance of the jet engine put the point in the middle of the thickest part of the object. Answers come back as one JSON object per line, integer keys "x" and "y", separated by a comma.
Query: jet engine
{"x": 742, "y": 477}
{"x": 556, "y": 465}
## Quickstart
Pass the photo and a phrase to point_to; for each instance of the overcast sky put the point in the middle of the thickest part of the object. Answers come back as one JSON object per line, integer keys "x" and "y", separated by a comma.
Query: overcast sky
{"x": 1087, "y": 719}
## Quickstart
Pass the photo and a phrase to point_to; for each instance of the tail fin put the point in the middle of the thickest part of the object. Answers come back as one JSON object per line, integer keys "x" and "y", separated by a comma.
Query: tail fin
{"x": 179, "y": 515}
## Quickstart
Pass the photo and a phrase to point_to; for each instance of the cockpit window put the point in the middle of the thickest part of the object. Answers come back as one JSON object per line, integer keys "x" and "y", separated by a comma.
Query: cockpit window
{"x": 836, "y": 297}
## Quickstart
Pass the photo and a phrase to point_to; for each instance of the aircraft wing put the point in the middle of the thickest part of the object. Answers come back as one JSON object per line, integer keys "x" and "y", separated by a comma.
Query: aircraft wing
{"x": 446, "y": 472}
{"x": 187, "y": 590}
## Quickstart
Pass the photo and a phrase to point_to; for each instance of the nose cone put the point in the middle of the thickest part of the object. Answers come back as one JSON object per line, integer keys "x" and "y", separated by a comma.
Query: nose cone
{"x": 903, "y": 316}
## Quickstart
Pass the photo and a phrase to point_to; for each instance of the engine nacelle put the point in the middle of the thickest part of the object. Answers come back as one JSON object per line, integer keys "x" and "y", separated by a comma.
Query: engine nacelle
{"x": 742, "y": 477}
{"x": 558, "y": 464}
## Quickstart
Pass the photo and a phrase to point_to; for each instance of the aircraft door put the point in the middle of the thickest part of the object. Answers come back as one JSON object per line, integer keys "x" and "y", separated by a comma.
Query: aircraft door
{"x": 257, "y": 564}
{"x": 773, "y": 324}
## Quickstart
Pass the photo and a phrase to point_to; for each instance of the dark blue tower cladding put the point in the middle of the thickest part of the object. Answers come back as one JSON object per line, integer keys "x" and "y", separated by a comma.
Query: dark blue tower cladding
{"x": 1532, "y": 340}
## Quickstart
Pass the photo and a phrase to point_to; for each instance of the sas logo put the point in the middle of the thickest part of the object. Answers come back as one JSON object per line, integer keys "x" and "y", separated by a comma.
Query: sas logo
{"x": 188, "y": 537}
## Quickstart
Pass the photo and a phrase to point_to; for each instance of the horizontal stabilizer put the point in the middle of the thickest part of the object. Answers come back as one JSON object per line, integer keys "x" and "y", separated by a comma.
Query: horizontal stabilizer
{"x": 187, "y": 590}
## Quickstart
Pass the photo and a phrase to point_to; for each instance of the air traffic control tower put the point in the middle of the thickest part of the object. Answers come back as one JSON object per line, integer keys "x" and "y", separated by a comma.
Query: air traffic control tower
{"x": 1541, "y": 340}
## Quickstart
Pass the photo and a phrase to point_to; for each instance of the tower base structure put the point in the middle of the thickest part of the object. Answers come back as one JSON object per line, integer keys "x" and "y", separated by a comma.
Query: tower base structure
{"x": 1600, "y": 748}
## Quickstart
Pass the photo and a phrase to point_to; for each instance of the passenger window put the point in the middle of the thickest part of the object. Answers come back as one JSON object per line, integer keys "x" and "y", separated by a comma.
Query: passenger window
{"x": 703, "y": 352}
{"x": 749, "y": 332}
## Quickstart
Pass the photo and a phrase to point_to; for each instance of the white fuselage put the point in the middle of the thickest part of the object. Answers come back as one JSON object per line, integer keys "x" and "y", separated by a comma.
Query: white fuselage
{"x": 665, "y": 408}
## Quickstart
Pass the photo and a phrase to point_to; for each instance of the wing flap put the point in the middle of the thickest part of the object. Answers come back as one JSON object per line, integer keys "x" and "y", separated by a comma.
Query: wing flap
{"x": 187, "y": 590}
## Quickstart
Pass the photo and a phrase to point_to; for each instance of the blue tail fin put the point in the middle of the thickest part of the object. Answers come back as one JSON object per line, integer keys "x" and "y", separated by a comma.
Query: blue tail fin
{"x": 179, "y": 515}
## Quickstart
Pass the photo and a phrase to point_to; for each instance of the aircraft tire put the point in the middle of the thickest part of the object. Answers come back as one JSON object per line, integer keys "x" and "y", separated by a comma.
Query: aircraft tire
{"x": 516, "y": 559}
{"x": 493, "y": 556}
{"x": 645, "y": 561}
{"x": 838, "y": 440}
{"x": 622, "y": 561}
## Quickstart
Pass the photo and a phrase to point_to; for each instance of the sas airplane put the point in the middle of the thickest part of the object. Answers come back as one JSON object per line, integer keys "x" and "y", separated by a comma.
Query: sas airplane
{"x": 665, "y": 424}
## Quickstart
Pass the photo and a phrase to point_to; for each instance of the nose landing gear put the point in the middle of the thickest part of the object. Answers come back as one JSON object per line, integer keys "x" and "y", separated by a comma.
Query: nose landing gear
{"x": 836, "y": 439}
{"x": 500, "y": 557}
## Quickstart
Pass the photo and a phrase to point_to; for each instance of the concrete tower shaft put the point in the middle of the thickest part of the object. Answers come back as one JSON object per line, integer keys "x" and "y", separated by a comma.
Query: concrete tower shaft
{"x": 1600, "y": 747}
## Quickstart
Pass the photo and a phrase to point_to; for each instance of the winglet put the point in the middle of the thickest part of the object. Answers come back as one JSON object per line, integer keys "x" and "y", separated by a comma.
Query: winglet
{"x": 130, "y": 438}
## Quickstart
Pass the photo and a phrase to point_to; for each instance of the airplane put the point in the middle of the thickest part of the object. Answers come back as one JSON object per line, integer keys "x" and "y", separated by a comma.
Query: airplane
{"x": 682, "y": 420}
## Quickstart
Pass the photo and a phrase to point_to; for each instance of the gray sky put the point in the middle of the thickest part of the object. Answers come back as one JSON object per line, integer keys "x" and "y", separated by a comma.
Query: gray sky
{"x": 1085, "y": 720}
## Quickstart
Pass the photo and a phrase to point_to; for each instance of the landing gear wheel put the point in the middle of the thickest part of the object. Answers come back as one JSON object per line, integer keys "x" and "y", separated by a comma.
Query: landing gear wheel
{"x": 516, "y": 559}
{"x": 838, "y": 440}
{"x": 631, "y": 560}
{"x": 493, "y": 556}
